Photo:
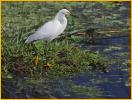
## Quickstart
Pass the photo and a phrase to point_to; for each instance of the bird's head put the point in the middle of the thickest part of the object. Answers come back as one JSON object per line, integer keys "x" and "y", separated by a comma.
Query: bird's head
{"x": 64, "y": 11}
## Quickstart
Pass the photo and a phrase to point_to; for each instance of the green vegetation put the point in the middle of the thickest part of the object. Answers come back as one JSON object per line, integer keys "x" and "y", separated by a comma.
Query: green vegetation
{"x": 18, "y": 22}
{"x": 92, "y": 91}
{"x": 63, "y": 55}
{"x": 19, "y": 19}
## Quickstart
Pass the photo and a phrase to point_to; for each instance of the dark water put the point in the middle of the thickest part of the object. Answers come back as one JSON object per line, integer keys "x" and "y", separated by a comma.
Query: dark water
{"x": 113, "y": 84}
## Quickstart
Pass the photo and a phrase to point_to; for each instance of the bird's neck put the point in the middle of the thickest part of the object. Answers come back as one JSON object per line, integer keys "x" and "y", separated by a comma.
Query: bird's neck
{"x": 61, "y": 18}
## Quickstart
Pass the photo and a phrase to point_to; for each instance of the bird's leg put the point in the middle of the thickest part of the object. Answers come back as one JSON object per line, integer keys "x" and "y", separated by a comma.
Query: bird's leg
{"x": 47, "y": 65}
{"x": 35, "y": 49}
{"x": 45, "y": 53}
{"x": 35, "y": 54}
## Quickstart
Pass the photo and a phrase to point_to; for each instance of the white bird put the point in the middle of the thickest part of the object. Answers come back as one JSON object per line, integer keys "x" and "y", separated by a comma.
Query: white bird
{"x": 51, "y": 29}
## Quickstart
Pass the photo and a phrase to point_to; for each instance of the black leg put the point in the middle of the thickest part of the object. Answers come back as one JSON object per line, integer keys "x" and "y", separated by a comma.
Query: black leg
{"x": 35, "y": 49}
{"x": 45, "y": 53}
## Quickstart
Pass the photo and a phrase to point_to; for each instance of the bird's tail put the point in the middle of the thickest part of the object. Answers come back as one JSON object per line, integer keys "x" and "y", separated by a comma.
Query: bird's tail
{"x": 29, "y": 39}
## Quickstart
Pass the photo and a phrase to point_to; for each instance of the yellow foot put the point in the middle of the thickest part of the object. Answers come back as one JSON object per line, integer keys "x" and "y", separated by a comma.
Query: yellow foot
{"x": 49, "y": 66}
{"x": 36, "y": 60}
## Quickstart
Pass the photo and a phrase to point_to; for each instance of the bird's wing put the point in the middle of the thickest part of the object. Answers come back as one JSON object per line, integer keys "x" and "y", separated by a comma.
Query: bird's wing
{"x": 49, "y": 28}
{"x": 46, "y": 31}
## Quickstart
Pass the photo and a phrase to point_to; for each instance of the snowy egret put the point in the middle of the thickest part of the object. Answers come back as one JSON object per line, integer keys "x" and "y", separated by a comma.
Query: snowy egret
{"x": 50, "y": 30}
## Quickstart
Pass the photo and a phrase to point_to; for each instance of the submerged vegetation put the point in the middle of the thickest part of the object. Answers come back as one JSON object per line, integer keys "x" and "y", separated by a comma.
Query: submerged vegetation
{"x": 65, "y": 58}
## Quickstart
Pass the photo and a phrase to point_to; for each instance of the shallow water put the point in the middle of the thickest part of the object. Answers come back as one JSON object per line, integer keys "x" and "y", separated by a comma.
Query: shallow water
{"x": 113, "y": 84}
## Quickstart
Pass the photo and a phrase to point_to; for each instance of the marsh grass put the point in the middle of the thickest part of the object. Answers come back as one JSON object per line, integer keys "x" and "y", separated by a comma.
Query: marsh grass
{"x": 22, "y": 19}
{"x": 63, "y": 55}
{"x": 27, "y": 80}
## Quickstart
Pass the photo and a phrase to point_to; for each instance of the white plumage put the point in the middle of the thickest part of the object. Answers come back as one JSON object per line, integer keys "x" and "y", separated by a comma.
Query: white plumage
{"x": 51, "y": 29}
